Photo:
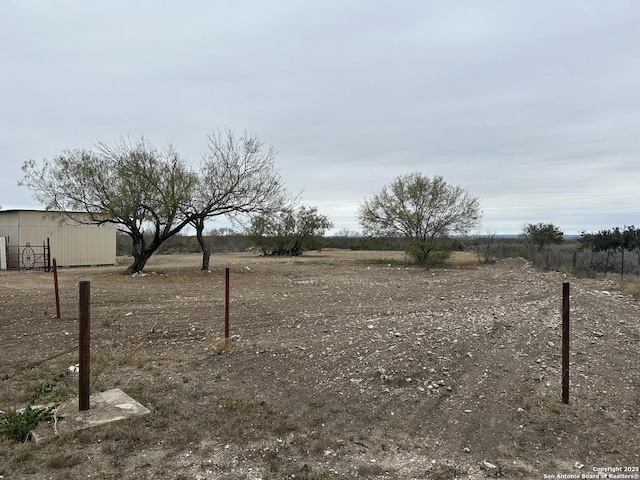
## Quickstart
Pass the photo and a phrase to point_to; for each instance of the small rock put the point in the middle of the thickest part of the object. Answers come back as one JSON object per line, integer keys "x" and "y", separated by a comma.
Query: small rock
{"x": 489, "y": 465}
{"x": 466, "y": 450}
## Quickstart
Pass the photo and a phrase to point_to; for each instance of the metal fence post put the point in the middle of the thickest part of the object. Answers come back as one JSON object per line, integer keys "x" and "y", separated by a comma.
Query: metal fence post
{"x": 565, "y": 341}
{"x": 84, "y": 360}
{"x": 226, "y": 306}
{"x": 57, "y": 290}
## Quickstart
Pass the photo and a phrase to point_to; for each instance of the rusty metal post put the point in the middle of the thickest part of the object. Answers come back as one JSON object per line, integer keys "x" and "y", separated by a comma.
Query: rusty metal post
{"x": 226, "y": 306}
{"x": 565, "y": 342}
{"x": 55, "y": 283}
{"x": 84, "y": 360}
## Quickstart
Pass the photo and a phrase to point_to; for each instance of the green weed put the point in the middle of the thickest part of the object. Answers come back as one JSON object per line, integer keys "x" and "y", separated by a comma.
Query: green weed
{"x": 17, "y": 425}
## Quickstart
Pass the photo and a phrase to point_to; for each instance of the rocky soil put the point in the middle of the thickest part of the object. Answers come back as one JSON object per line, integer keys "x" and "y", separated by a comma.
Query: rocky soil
{"x": 340, "y": 365}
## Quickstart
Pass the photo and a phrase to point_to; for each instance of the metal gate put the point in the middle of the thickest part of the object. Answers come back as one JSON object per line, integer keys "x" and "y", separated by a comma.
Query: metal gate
{"x": 29, "y": 257}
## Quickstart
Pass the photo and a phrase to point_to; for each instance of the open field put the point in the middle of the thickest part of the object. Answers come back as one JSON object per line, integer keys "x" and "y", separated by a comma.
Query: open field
{"x": 341, "y": 365}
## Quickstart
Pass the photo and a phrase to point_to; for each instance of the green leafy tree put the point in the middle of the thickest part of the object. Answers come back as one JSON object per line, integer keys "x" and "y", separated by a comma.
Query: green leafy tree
{"x": 237, "y": 177}
{"x": 130, "y": 184}
{"x": 587, "y": 242}
{"x": 635, "y": 243}
{"x": 287, "y": 231}
{"x": 605, "y": 241}
{"x": 628, "y": 239}
{"x": 543, "y": 236}
{"x": 612, "y": 241}
{"x": 617, "y": 240}
{"x": 423, "y": 210}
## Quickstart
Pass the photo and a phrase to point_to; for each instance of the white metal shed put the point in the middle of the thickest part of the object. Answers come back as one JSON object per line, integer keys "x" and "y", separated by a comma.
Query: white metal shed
{"x": 31, "y": 234}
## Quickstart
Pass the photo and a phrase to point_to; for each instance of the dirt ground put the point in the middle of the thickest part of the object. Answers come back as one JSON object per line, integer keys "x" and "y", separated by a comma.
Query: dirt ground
{"x": 341, "y": 365}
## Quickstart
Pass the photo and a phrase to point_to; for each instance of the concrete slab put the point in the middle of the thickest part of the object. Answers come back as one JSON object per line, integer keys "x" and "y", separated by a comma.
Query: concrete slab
{"x": 105, "y": 407}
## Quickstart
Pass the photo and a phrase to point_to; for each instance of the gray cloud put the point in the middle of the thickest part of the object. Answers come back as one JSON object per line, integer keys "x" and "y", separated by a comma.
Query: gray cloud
{"x": 533, "y": 106}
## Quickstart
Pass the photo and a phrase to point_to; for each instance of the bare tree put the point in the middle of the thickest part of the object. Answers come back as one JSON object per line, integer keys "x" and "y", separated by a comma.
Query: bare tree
{"x": 237, "y": 178}
{"x": 425, "y": 211}
{"x": 485, "y": 245}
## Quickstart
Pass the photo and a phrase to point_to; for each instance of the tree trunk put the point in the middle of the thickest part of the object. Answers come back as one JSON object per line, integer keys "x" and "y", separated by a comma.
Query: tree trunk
{"x": 141, "y": 252}
{"x": 137, "y": 250}
{"x": 204, "y": 245}
{"x": 206, "y": 255}
{"x": 297, "y": 246}
{"x": 139, "y": 261}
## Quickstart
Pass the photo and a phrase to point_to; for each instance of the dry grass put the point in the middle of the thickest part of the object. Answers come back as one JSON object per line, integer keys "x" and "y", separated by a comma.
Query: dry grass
{"x": 630, "y": 287}
{"x": 542, "y": 402}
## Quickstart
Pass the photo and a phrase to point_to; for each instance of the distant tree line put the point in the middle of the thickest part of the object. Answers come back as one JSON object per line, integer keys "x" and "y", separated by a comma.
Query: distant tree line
{"x": 589, "y": 254}
{"x": 611, "y": 242}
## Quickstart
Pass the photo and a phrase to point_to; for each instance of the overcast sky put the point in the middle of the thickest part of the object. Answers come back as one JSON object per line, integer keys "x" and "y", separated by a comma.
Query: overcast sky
{"x": 533, "y": 106}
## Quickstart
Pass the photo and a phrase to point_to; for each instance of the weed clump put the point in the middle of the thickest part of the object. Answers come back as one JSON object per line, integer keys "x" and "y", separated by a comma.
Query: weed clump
{"x": 18, "y": 424}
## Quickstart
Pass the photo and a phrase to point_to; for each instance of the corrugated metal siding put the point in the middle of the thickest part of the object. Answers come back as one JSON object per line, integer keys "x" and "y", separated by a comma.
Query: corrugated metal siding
{"x": 72, "y": 244}
{"x": 85, "y": 244}
{"x": 9, "y": 226}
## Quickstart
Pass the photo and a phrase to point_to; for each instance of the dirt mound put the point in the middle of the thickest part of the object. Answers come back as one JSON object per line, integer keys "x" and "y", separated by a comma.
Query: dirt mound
{"x": 513, "y": 263}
